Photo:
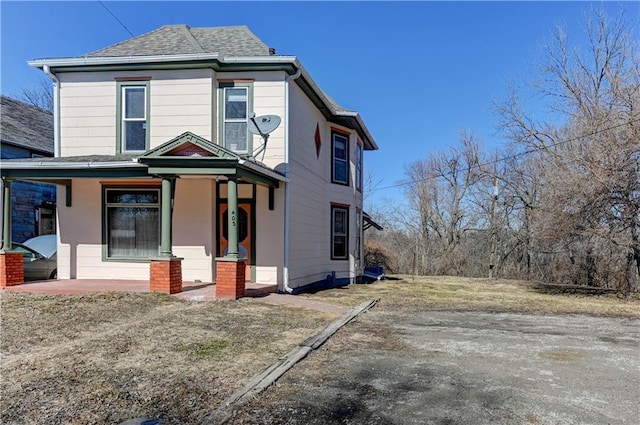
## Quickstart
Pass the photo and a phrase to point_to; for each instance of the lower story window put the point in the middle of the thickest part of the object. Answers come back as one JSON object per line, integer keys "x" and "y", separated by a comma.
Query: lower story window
{"x": 339, "y": 232}
{"x": 132, "y": 222}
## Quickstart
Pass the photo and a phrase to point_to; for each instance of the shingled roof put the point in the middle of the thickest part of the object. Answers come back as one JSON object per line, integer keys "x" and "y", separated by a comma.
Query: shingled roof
{"x": 26, "y": 126}
{"x": 182, "y": 39}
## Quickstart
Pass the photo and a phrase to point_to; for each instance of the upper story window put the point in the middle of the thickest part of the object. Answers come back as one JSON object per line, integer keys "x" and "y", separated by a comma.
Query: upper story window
{"x": 359, "y": 167}
{"x": 340, "y": 158}
{"x": 236, "y": 103}
{"x": 133, "y": 116}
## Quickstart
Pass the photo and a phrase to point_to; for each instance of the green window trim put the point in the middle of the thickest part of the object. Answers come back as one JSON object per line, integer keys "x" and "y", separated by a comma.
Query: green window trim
{"x": 340, "y": 168}
{"x": 108, "y": 229}
{"x": 359, "y": 238}
{"x": 121, "y": 86}
{"x": 339, "y": 232}
{"x": 359, "y": 167}
{"x": 222, "y": 114}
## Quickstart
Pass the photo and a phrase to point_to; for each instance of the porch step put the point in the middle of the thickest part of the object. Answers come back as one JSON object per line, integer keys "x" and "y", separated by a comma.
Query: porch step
{"x": 258, "y": 290}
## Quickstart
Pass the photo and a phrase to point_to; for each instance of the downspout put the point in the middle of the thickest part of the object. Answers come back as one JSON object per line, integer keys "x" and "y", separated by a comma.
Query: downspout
{"x": 56, "y": 110}
{"x": 285, "y": 271}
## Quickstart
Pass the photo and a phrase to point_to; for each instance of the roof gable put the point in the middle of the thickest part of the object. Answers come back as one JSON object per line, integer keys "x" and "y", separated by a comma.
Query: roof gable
{"x": 189, "y": 144}
{"x": 182, "y": 39}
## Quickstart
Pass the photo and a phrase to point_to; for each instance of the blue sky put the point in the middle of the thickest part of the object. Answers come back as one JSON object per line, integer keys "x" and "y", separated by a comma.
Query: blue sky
{"x": 419, "y": 73}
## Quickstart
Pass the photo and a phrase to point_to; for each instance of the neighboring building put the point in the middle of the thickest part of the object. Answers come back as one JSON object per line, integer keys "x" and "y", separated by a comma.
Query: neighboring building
{"x": 27, "y": 132}
{"x": 155, "y": 153}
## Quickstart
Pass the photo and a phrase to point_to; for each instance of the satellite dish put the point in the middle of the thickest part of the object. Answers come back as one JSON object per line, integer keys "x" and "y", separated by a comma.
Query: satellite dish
{"x": 264, "y": 124}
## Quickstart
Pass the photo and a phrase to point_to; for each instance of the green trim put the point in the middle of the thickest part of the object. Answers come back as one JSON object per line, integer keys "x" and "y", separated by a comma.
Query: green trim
{"x": 6, "y": 215}
{"x": 192, "y": 171}
{"x": 166, "y": 216}
{"x": 119, "y": 85}
{"x": 67, "y": 194}
{"x": 216, "y": 65}
{"x": 256, "y": 178}
{"x": 359, "y": 167}
{"x": 181, "y": 65}
{"x": 70, "y": 173}
{"x": 347, "y": 211}
{"x": 189, "y": 138}
{"x": 252, "y": 203}
{"x": 221, "y": 121}
{"x": 104, "y": 187}
{"x": 333, "y": 158}
{"x": 188, "y": 162}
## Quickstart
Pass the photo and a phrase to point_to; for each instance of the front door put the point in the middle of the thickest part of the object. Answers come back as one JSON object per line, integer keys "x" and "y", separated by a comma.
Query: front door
{"x": 245, "y": 233}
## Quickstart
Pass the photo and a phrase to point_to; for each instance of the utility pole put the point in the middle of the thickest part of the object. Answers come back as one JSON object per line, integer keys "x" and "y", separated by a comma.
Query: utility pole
{"x": 494, "y": 205}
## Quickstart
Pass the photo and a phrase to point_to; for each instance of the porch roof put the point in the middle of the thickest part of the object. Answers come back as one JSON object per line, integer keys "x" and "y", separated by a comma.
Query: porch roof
{"x": 164, "y": 160}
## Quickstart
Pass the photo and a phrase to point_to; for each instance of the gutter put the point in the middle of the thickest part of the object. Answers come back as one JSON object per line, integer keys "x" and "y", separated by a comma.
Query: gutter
{"x": 118, "y": 60}
{"x": 56, "y": 110}
{"x": 287, "y": 171}
{"x": 218, "y": 63}
{"x": 40, "y": 165}
{"x": 262, "y": 170}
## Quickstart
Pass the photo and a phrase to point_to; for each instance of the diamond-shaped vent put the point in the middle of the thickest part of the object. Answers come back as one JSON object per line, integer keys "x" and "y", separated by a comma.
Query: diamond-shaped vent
{"x": 318, "y": 140}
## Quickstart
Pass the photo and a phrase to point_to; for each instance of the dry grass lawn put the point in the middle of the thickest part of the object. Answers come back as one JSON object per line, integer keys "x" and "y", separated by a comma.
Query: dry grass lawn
{"x": 460, "y": 293}
{"x": 108, "y": 357}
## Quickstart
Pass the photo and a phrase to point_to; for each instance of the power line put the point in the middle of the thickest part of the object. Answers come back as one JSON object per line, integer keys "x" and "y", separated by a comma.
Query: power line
{"x": 116, "y": 18}
{"x": 506, "y": 158}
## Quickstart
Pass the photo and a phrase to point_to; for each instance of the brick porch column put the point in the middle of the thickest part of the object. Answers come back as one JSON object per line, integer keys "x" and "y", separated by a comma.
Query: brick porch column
{"x": 230, "y": 278}
{"x": 11, "y": 269}
{"x": 166, "y": 275}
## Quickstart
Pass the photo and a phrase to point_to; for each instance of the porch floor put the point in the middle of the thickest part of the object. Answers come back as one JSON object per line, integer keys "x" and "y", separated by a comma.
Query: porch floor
{"x": 191, "y": 291}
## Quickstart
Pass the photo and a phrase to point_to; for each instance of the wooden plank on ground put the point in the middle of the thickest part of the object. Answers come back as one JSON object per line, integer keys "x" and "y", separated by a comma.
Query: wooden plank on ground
{"x": 263, "y": 380}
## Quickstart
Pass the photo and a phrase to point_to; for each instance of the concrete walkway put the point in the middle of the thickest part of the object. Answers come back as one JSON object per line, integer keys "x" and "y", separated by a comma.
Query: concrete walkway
{"x": 191, "y": 291}
{"x": 299, "y": 301}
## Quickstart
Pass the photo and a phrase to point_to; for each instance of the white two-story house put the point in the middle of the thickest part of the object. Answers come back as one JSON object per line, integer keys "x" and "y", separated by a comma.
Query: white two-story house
{"x": 157, "y": 162}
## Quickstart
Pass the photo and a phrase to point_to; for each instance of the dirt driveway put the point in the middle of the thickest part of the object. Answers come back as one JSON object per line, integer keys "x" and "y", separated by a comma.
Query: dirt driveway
{"x": 433, "y": 367}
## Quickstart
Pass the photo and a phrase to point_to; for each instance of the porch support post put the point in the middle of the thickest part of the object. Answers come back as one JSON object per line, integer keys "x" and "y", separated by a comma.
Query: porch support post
{"x": 6, "y": 215}
{"x": 166, "y": 271}
{"x": 166, "y": 217}
{"x": 232, "y": 210}
{"x": 11, "y": 263}
{"x": 231, "y": 269}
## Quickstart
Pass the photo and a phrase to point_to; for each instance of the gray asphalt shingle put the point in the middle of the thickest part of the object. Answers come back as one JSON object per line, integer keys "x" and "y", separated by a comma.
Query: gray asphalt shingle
{"x": 24, "y": 125}
{"x": 182, "y": 39}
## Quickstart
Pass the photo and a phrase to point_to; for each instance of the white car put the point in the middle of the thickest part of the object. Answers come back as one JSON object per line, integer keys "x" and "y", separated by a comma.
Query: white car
{"x": 40, "y": 257}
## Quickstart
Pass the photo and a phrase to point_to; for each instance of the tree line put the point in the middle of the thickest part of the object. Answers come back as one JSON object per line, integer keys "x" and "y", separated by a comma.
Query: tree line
{"x": 559, "y": 202}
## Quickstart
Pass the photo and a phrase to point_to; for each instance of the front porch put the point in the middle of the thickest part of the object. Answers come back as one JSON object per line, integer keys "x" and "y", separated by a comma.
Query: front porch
{"x": 187, "y": 210}
{"x": 191, "y": 291}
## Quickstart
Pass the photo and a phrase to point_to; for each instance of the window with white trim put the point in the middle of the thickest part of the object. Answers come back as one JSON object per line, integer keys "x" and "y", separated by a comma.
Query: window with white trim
{"x": 340, "y": 158}
{"x": 132, "y": 223}
{"x": 339, "y": 232}
{"x": 133, "y": 113}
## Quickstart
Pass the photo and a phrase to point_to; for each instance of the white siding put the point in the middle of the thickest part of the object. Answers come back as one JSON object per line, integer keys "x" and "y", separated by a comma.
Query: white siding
{"x": 269, "y": 236}
{"x": 312, "y": 193}
{"x": 80, "y": 230}
{"x": 179, "y": 101}
{"x": 268, "y": 99}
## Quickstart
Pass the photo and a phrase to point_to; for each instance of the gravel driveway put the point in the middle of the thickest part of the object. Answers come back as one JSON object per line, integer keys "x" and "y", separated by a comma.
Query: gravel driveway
{"x": 463, "y": 368}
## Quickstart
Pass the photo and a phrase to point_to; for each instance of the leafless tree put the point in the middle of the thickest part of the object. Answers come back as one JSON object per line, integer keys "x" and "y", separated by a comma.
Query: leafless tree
{"x": 590, "y": 206}
{"x": 40, "y": 96}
